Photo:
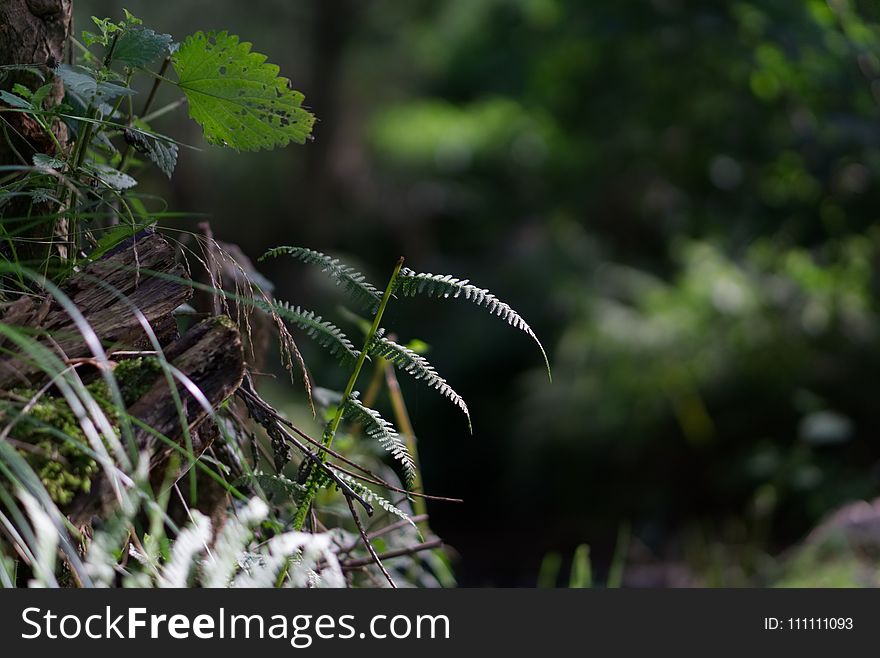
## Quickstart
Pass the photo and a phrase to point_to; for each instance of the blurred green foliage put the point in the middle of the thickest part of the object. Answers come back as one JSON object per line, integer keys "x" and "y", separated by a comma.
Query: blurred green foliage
{"x": 681, "y": 197}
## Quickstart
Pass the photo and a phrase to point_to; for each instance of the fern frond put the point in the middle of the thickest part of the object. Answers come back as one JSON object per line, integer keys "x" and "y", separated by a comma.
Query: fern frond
{"x": 371, "y": 496}
{"x": 274, "y": 485}
{"x": 352, "y": 281}
{"x": 410, "y": 284}
{"x": 418, "y": 366}
{"x": 382, "y": 431}
{"x": 326, "y": 334}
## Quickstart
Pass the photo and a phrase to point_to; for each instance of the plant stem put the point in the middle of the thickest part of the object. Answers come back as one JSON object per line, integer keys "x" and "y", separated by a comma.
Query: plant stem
{"x": 333, "y": 426}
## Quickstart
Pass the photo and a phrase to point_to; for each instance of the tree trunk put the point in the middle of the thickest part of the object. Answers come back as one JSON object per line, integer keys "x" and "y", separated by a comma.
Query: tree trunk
{"x": 32, "y": 33}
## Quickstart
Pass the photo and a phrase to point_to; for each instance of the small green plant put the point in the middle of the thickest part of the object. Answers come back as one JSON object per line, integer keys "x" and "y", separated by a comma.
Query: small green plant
{"x": 76, "y": 185}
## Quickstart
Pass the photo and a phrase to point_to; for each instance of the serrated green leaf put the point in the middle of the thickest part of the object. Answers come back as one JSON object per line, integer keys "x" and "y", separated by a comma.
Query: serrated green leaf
{"x": 372, "y": 497}
{"x": 138, "y": 46}
{"x": 81, "y": 82}
{"x": 326, "y": 334}
{"x": 416, "y": 366}
{"x": 47, "y": 161}
{"x": 113, "y": 177}
{"x": 352, "y": 281}
{"x": 276, "y": 485}
{"x": 236, "y": 96}
{"x": 20, "y": 90}
{"x": 161, "y": 152}
{"x": 380, "y": 430}
{"x": 410, "y": 284}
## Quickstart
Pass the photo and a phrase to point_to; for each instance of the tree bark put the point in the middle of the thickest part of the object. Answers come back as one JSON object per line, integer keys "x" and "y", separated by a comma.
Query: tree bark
{"x": 32, "y": 33}
{"x": 106, "y": 293}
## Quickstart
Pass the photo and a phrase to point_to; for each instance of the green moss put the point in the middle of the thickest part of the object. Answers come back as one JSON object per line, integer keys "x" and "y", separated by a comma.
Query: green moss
{"x": 136, "y": 377}
{"x": 56, "y": 449}
{"x": 55, "y": 439}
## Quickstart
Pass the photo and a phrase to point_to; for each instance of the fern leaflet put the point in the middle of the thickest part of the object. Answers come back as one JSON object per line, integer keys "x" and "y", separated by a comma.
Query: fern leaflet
{"x": 371, "y": 496}
{"x": 326, "y": 334}
{"x": 418, "y": 366}
{"x": 276, "y": 485}
{"x": 382, "y": 431}
{"x": 410, "y": 284}
{"x": 352, "y": 281}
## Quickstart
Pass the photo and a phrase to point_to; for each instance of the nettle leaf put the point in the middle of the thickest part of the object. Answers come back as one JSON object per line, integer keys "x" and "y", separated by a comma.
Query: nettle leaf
{"x": 113, "y": 177}
{"x": 47, "y": 161}
{"x": 15, "y": 101}
{"x": 81, "y": 82}
{"x": 161, "y": 152}
{"x": 236, "y": 96}
{"x": 138, "y": 46}
{"x": 40, "y": 94}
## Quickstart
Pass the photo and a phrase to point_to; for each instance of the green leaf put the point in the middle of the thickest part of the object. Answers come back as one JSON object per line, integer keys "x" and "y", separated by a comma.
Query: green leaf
{"x": 113, "y": 177}
{"x": 372, "y": 497}
{"x": 353, "y": 282}
{"x": 15, "y": 101}
{"x": 410, "y": 284}
{"x": 236, "y": 96}
{"x": 47, "y": 161}
{"x": 383, "y": 432}
{"x": 81, "y": 82}
{"x": 326, "y": 334}
{"x": 417, "y": 366}
{"x": 40, "y": 94}
{"x": 139, "y": 46}
{"x": 161, "y": 152}
{"x": 276, "y": 485}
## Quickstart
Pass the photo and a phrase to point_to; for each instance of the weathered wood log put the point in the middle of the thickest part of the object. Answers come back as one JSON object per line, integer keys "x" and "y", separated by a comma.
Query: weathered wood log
{"x": 211, "y": 358}
{"x": 209, "y": 355}
{"x": 98, "y": 293}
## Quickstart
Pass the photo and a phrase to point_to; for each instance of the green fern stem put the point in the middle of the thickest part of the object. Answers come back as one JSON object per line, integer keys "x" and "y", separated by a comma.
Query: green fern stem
{"x": 330, "y": 433}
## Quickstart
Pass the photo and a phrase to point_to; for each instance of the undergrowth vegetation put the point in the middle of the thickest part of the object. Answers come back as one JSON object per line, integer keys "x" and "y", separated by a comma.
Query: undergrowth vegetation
{"x": 94, "y": 489}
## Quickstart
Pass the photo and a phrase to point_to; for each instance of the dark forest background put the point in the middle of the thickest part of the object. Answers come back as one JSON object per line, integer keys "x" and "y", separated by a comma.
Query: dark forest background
{"x": 680, "y": 196}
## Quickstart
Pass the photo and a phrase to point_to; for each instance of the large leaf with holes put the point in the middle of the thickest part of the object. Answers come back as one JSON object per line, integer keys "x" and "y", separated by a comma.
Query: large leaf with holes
{"x": 138, "y": 46}
{"x": 236, "y": 96}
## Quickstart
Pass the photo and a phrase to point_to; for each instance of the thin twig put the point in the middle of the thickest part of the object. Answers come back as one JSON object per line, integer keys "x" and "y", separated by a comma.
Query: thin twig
{"x": 357, "y": 563}
{"x": 274, "y": 428}
{"x": 391, "y": 527}
{"x": 374, "y": 556}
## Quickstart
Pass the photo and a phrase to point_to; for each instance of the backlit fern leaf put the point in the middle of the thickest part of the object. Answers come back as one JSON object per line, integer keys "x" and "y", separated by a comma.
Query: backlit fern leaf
{"x": 382, "y": 431}
{"x": 276, "y": 485}
{"x": 416, "y": 365}
{"x": 326, "y": 334}
{"x": 410, "y": 284}
{"x": 352, "y": 281}
{"x": 372, "y": 497}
